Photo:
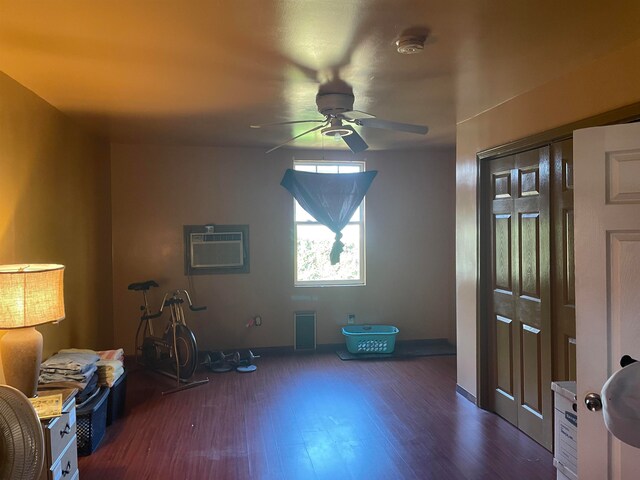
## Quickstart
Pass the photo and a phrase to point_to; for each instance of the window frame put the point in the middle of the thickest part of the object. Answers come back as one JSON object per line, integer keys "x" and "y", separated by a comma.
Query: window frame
{"x": 361, "y": 281}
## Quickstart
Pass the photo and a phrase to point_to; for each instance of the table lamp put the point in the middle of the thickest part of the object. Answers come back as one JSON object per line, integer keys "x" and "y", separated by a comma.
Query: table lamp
{"x": 30, "y": 295}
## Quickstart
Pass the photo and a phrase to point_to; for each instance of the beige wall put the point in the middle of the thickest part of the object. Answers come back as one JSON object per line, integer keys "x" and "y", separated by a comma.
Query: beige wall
{"x": 410, "y": 243}
{"x": 610, "y": 82}
{"x": 55, "y": 208}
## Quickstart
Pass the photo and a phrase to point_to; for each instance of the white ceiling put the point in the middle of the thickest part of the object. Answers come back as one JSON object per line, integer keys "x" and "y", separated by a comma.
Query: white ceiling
{"x": 200, "y": 72}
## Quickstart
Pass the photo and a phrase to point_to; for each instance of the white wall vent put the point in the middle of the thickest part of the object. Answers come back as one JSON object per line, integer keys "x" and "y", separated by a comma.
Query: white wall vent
{"x": 216, "y": 250}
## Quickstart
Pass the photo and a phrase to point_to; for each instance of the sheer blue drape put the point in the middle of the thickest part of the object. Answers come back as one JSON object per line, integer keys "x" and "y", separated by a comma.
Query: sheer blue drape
{"x": 330, "y": 198}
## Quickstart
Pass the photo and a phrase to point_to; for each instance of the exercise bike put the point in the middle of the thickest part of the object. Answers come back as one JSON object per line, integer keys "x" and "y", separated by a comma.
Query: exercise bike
{"x": 175, "y": 352}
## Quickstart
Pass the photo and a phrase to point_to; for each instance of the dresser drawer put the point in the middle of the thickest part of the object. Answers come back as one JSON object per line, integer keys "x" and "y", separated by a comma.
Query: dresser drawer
{"x": 59, "y": 432}
{"x": 67, "y": 465}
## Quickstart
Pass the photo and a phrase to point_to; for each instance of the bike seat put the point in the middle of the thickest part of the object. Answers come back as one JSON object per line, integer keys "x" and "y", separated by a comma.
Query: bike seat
{"x": 143, "y": 285}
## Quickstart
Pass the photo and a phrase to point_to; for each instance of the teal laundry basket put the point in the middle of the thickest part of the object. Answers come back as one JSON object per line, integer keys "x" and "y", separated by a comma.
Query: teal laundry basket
{"x": 370, "y": 338}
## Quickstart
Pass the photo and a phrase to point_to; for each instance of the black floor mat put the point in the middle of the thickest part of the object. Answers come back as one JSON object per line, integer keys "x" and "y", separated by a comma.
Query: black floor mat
{"x": 403, "y": 351}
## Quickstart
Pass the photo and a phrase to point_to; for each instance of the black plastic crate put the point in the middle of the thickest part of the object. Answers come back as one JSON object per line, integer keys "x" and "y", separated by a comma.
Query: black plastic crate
{"x": 117, "y": 398}
{"x": 91, "y": 420}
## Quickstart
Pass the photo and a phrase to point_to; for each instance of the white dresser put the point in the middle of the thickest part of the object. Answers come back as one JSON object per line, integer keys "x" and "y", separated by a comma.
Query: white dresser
{"x": 61, "y": 457}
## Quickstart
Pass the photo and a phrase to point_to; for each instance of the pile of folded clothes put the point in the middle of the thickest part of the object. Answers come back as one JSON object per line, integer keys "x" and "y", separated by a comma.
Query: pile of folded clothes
{"x": 86, "y": 370}
{"x": 71, "y": 369}
{"x": 110, "y": 366}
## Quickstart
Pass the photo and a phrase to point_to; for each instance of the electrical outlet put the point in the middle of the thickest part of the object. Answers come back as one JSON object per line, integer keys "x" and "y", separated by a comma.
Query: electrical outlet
{"x": 351, "y": 318}
{"x": 257, "y": 320}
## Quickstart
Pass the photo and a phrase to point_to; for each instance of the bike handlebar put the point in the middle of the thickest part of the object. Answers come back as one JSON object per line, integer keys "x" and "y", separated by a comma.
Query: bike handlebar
{"x": 192, "y": 307}
{"x": 174, "y": 299}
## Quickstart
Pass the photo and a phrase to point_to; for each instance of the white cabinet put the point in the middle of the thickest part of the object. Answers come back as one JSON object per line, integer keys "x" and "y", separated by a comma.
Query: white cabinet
{"x": 61, "y": 457}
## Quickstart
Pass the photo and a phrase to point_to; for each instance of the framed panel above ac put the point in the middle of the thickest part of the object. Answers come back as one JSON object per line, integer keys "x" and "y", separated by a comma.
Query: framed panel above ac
{"x": 216, "y": 249}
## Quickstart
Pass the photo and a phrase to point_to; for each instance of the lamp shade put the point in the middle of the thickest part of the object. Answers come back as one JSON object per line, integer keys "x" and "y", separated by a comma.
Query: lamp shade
{"x": 30, "y": 295}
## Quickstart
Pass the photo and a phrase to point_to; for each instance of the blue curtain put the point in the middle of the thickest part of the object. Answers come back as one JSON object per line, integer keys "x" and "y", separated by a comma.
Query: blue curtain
{"x": 330, "y": 198}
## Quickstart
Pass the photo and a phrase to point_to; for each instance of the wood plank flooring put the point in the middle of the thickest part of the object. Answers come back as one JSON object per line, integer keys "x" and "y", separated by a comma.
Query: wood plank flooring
{"x": 314, "y": 416}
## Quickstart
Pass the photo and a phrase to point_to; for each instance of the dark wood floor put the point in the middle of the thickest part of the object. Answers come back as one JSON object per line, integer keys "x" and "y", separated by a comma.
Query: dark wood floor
{"x": 314, "y": 417}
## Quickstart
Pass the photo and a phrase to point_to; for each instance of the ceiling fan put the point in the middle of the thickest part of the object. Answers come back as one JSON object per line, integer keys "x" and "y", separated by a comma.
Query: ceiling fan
{"x": 337, "y": 108}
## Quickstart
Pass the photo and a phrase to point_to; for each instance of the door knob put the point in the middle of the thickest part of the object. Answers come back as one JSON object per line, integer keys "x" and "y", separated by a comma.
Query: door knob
{"x": 593, "y": 402}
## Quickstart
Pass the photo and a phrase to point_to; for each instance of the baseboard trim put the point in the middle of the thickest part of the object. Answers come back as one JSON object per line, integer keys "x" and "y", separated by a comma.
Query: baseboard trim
{"x": 423, "y": 342}
{"x": 281, "y": 350}
{"x": 332, "y": 347}
{"x": 466, "y": 394}
{"x": 288, "y": 349}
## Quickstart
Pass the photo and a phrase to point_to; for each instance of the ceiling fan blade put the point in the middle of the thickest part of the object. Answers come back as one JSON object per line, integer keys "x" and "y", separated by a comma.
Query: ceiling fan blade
{"x": 286, "y": 123}
{"x": 356, "y": 115}
{"x": 298, "y": 136}
{"x": 389, "y": 125}
{"x": 354, "y": 141}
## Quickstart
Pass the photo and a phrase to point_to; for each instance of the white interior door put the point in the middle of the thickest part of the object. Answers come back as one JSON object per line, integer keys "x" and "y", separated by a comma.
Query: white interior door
{"x": 607, "y": 261}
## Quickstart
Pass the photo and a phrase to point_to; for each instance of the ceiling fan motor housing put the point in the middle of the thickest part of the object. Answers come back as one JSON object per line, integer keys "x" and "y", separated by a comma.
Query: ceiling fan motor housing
{"x": 332, "y": 104}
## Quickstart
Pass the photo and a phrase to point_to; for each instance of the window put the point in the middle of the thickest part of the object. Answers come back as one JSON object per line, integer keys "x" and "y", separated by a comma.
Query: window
{"x": 313, "y": 241}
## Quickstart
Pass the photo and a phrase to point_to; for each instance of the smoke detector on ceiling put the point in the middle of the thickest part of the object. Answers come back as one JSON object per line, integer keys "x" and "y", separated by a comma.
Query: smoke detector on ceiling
{"x": 410, "y": 44}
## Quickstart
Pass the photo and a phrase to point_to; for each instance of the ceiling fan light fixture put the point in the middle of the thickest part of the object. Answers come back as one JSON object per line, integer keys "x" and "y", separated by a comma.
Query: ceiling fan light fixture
{"x": 336, "y": 132}
{"x": 336, "y": 129}
{"x": 410, "y": 44}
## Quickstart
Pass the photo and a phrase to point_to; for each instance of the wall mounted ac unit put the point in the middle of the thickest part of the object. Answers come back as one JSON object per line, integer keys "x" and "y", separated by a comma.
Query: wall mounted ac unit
{"x": 216, "y": 250}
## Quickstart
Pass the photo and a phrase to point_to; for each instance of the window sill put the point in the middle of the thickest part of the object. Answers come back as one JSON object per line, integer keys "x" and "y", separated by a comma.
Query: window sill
{"x": 324, "y": 285}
